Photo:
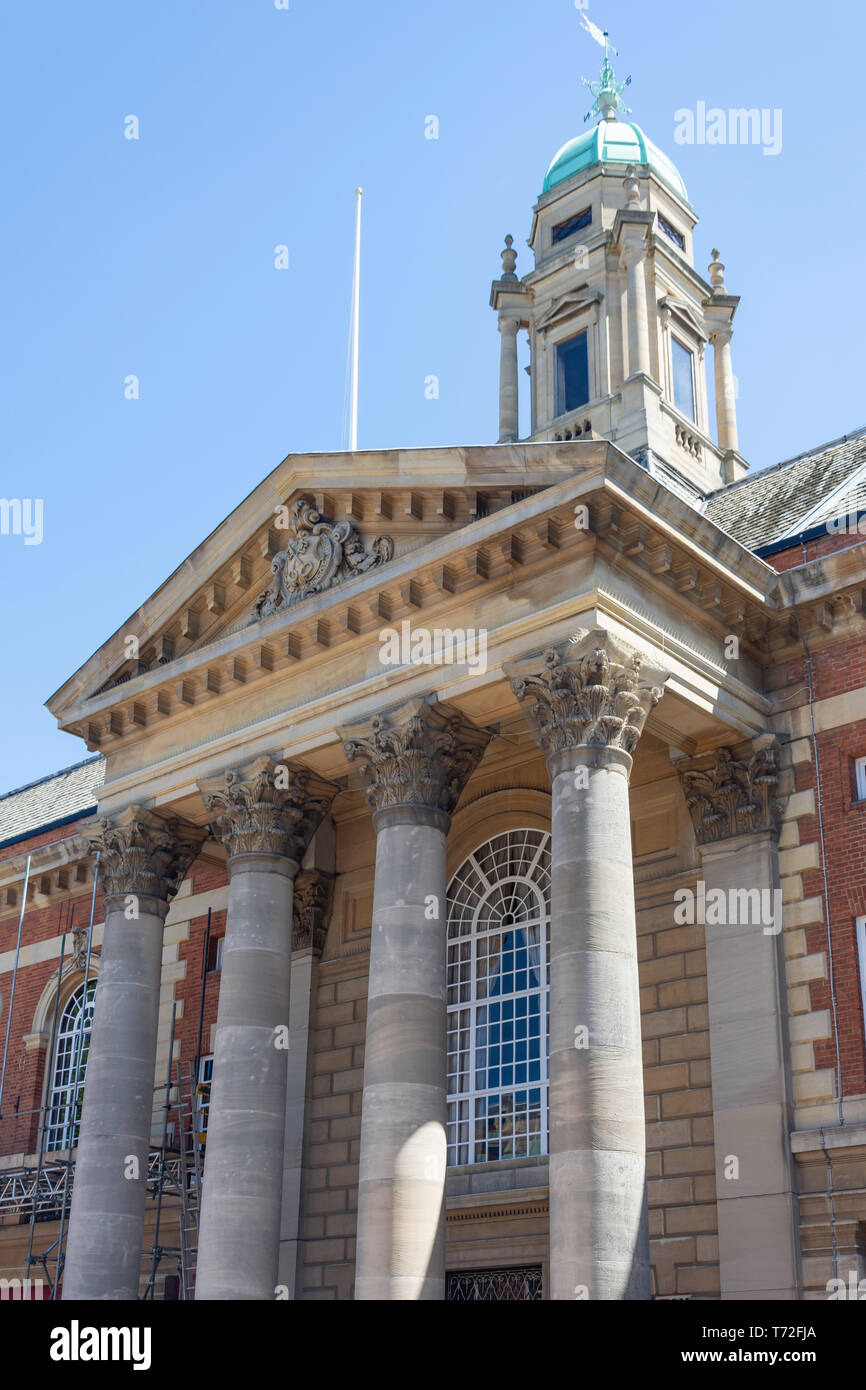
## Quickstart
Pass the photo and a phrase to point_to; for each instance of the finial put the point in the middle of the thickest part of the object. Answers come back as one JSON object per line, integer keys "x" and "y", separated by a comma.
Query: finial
{"x": 717, "y": 272}
{"x": 607, "y": 92}
{"x": 632, "y": 188}
{"x": 509, "y": 259}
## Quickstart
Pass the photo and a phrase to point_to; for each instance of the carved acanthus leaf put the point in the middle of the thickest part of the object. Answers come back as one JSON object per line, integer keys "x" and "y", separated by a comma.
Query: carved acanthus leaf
{"x": 589, "y": 694}
{"x": 730, "y": 795}
{"x": 266, "y": 807}
{"x": 142, "y": 854}
{"x": 418, "y": 755}
{"x": 317, "y": 556}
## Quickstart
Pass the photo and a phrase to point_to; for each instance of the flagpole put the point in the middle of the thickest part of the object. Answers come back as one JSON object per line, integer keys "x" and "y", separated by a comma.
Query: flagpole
{"x": 356, "y": 287}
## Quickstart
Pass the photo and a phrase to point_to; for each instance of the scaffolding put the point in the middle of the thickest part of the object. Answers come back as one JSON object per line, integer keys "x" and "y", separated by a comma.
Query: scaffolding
{"x": 41, "y": 1192}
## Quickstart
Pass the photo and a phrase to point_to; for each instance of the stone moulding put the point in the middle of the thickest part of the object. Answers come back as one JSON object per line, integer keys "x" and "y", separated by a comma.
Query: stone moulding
{"x": 417, "y": 755}
{"x": 591, "y": 693}
{"x": 266, "y": 807}
{"x": 729, "y": 795}
{"x": 142, "y": 854}
{"x": 317, "y": 556}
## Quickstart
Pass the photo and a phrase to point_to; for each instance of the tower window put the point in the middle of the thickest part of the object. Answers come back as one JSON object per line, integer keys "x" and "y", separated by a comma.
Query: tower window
{"x": 670, "y": 231}
{"x": 571, "y": 225}
{"x": 684, "y": 379}
{"x": 572, "y": 374}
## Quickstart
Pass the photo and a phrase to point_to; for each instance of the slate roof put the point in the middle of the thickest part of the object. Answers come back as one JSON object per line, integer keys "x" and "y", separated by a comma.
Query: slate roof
{"x": 775, "y": 503}
{"x": 62, "y": 796}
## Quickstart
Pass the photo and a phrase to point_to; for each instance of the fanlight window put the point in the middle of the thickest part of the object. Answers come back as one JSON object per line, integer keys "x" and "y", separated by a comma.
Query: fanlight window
{"x": 498, "y": 1000}
{"x": 70, "y": 1065}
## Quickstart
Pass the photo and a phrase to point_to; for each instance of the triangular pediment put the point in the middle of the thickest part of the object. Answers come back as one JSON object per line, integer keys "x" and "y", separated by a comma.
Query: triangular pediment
{"x": 316, "y": 523}
{"x": 568, "y": 306}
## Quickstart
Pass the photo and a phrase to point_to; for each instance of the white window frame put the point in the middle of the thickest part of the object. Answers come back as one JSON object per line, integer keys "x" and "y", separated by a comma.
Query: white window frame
{"x": 473, "y": 1003}
{"x": 65, "y": 1093}
{"x": 861, "y": 954}
{"x": 860, "y": 777}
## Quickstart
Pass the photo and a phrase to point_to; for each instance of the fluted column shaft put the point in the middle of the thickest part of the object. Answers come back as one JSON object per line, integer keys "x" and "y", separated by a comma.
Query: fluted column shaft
{"x": 587, "y": 710}
{"x": 142, "y": 862}
{"x": 414, "y": 764}
{"x": 265, "y": 815}
{"x": 508, "y": 381}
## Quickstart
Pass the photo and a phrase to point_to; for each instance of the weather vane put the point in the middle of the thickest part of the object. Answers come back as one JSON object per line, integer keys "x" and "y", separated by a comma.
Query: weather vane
{"x": 607, "y": 92}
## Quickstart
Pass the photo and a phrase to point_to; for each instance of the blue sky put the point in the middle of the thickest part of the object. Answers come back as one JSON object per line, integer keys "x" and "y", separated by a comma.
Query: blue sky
{"x": 155, "y": 257}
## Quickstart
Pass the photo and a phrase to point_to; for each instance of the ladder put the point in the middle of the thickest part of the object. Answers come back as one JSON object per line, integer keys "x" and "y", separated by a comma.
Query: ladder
{"x": 189, "y": 1178}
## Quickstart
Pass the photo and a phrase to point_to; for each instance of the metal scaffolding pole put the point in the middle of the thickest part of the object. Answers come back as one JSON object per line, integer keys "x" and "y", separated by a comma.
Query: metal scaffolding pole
{"x": 14, "y": 981}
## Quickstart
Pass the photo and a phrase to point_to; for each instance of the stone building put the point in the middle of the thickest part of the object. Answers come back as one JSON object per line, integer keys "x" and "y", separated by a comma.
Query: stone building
{"x": 489, "y": 825}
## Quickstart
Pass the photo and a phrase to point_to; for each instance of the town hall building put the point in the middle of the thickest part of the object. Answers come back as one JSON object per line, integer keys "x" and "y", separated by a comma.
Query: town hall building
{"x": 460, "y": 893}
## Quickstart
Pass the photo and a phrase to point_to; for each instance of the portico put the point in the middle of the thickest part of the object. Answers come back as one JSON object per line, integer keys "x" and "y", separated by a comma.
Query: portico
{"x": 604, "y": 667}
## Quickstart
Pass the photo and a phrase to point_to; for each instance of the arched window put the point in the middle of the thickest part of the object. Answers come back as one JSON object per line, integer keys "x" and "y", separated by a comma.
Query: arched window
{"x": 70, "y": 1065}
{"x": 498, "y": 993}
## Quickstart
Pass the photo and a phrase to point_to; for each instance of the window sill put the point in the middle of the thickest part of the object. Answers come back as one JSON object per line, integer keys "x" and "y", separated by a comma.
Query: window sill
{"x": 508, "y": 1175}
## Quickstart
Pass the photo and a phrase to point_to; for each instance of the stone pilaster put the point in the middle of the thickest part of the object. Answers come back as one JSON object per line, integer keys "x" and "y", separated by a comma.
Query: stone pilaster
{"x": 634, "y": 258}
{"x": 265, "y": 814}
{"x": 413, "y": 764}
{"x": 732, "y": 797}
{"x": 143, "y": 859}
{"x": 587, "y": 705}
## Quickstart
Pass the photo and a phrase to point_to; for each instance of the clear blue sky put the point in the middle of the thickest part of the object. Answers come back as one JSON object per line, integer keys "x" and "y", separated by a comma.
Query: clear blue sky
{"x": 156, "y": 257}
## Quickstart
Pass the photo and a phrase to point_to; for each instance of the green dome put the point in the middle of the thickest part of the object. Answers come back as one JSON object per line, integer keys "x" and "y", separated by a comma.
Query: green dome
{"x": 612, "y": 142}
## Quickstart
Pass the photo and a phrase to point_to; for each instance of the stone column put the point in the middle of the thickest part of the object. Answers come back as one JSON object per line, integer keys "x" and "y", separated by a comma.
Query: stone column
{"x": 311, "y": 910}
{"x": 587, "y": 706}
{"x": 638, "y": 325}
{"x": 414, "y": 762}
{"x": 726, "y": 404}
{"x": 508, "y": 394}
{"x": 265, "y": 814}
{"x": 732, "y": 798}
{"x": 143, "y": 860}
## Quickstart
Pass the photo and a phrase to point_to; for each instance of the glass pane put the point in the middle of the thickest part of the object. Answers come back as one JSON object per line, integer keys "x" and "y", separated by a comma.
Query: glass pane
{"x": 572, "y": 374}
{"x": 684, "y": 382}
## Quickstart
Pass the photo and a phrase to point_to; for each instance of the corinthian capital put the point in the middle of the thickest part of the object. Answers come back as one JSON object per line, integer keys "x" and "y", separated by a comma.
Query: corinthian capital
{"x": 143, "y": 854}
{"x": 729, "y": 795}
{"x": 417, "y": 755}
{"x": 266, "y": 807}
{"x": 595, "y": 692}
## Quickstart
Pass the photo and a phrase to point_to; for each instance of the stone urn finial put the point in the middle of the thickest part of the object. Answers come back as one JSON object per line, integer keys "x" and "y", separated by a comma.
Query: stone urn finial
{"x": 509, "y": 259}
{"x": 632, "y": 188}
{"x": 717, "y": 272}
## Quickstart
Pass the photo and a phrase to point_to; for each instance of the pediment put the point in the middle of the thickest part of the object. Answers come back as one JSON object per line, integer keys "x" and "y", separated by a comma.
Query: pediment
{"x": 316, "y": 523}
{"x": 683, "y": 311}
{"x": 260, "y": 613}
{"x": 567, "y": 306}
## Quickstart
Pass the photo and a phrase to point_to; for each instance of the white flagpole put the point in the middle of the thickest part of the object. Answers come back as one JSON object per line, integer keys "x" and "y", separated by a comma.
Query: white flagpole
{"x": 356, "y": 287}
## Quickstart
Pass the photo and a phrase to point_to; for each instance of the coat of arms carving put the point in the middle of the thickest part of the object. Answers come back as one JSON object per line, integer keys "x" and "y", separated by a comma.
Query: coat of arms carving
{"x": 318, "y": 555}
